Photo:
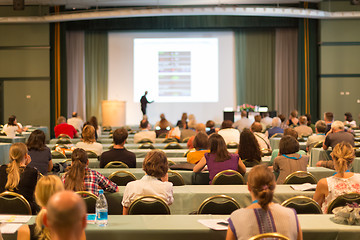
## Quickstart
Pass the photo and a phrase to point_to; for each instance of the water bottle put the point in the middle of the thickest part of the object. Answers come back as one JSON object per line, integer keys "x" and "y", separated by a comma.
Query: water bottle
{"x": 101, "y": 210}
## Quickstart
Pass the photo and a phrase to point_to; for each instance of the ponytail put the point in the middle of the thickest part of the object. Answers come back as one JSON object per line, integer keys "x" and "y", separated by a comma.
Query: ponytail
{"x": 265, "y": 196}
{"x": 74, "y": 178}
{"x": 17, "y": 154}
{"x": 42, "y": 232}
{"x": 343, "y": 155}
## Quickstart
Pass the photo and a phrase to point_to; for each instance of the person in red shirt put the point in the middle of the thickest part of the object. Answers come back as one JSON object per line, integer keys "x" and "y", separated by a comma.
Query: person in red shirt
{"x": 64, "y": 128}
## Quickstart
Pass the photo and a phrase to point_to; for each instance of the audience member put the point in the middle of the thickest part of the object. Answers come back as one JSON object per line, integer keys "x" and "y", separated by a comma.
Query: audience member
{"x": 210, "y": 127}
{"x": 263, "y": 216}
{"x": 275, "y": 128}
{"x": 192, "y": 121}
{"x": 328, "y": 118}
{"x": 66, "y": 216}
{"x": 303, "y": 129}
{"x": 45, "y": 188}
{"x": 88, "y": 142}
{"x": 64, "y": 128}
{"x": 119, "y": 152}
{"x": 263, "y": 141}
{"x": 201, "y": 145}
{"x": 309, "y": 123}
{"x": 293, "y": 120}
{"x": 342, "y": 182}
{"x": 289, "y": 160}
{"x": 162, "y": 126}
{"x": 182, "y": 124}
{"x": 155, "y": 182}
{"x": 76, "y": 122}
{"x": 243, "y": 122}
{"x": 40, "y": 154}
{"x": 283, "y": 124}
{"x": 320, "y": 128}
{"x": 145, "y": 133}
{"x": 219, "y": 159}
{"x": 249, "y": 150}
{"x": 337, "y": 135}
{"x": 200, "y": 127}
{"x": 174, "y": 133}
{"x": 17, "y": 176}
{"x": 94, "y": 122}
{"x": 12, "y": 127}
{"x": 81, "y": 178}
{"x": 266, "y": 121}
{"x": 230, "y": 135}
{"x": 349, "y": 120}
{"x": 257, "y": 118}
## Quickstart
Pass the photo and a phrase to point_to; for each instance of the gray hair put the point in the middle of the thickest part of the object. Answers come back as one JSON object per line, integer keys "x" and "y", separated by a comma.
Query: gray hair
{"x": 276, "y": 122}
{"x": 337, "y": 125}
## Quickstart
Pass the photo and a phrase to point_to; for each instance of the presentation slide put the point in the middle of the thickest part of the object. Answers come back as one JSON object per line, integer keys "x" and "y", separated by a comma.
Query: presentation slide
{"x": 176, "y": 69}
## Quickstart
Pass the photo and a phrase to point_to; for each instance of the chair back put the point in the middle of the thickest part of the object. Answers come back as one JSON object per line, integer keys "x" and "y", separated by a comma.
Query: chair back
{"x": 277, "y": 135}
{"x": 342, "y": 200}
{"x": 219, "y": 204}
{"x": 63, "y": 135}
{"x": 116, "y": 164}
{"x": 318, "y": 144}
{"x": 14, "y": 203}
{"x": 57, "y": 155}
{"x": 90, "y": 200}
{"x": 63, "y": 141}
{"x": 145, "y": 140}
{"x": 149, "y": 205}
{"x": 300, "y": 177}
{"x": 232, "y": 145}
{"x": 228, "y": 177}
{"x": 162, "y": 135}
{"x": 146, "y": 146}
{"x": 122, "y": 177}
{"x": 173, "y": 145}
{"x": 269, "y": 236}
{"x": 250, "y": 162}
{"x": 303, "y": 205}
{"x": 266, "y": 152}
{"x": 91, "y": 154}
{"x": 175, "y": 178}
{"x": 169, "y": 140}
{"x": 171, "y": 163}
{"x": 185, "y": 140}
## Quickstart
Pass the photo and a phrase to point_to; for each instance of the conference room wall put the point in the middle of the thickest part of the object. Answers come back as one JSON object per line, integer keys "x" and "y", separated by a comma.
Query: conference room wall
{"x": 25, "y": 68}
{"x": 339, "y": 63}
{"x": 121, "y": 79}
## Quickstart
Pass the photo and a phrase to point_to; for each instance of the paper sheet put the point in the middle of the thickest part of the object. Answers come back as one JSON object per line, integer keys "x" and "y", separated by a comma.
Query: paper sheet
{"x": 304, "y": 187}
{"x": 214, "y": 223}
{"x": 9, "y": 228}
{"x": 15, "y": 218}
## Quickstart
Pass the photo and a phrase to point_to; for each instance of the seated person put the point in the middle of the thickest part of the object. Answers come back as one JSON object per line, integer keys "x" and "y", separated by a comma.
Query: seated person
{"x": 283, "y": 124}
{"x": 266, "y": 121}
{"x": 263, "y": 216}
{"x": 249, "y": 150}
{"x": 210, "y": 127}
{"x": 192, "y": 122}
{"x": 162, "y": 126}
{"x": 118, "y": 152}
{"x": 349, "y": 122}
{"x": 303, "y": 129}
{"x": 342, "y": 182}
{"x": 219, "y": 159}
{"x": 45, "y": 188}
{"x": 320, "y": 128}
{"x": 40, "y": 154}
{"x": 229, "y": 134}
{"x": 263, "y": 141}
{"x": 289, "y": 161}
{"x": 201, "y": 145}
{"x": 64, "y": 128}
{"x": 145, "y": 132}
{"x": 337, "y": 135}
{"x": 12, "y": 127}
{"x": 329, "y": 119}
{"x": 79, "y": 177}
{"x": 183, "y": 124}
{"x": 94, "y": 122}
{"x": 88, "y": 142}
{"x": 76, "y": 122}
{"x": 200, "y": 127}
{"x": 275, "y": 128}
{"x": 17, "y": 176}
{"x": 155, "y": 182}
{"x": 243, "y": 122}
{"x": 293, "y": 120}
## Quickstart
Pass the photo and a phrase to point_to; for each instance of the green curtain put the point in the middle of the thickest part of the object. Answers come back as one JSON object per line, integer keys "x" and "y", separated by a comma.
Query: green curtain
{"x": 96, "y": 72}
{"x": 255, "y": 64}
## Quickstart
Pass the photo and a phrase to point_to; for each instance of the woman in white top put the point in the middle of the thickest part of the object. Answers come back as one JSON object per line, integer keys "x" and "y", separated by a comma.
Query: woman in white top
{"x": 263, "y": 216}
{"x": 342, "y": 182}
{"x": 88, "y": 141}
{"x": 349, "y": 120}
{"x": 155, "y": 182}
{"x": 12, "y": 127}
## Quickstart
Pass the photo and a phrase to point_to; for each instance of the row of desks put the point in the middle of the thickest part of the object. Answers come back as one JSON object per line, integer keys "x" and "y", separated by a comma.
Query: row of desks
{"x": 179, "y": 227}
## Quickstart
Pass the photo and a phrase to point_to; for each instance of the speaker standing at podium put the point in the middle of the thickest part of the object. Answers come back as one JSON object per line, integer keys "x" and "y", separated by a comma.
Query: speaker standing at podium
{"x": 144, "y": 103}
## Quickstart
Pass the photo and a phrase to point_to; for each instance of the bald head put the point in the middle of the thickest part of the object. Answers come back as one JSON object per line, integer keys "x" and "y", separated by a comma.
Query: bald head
{"x": 66, "y": 214}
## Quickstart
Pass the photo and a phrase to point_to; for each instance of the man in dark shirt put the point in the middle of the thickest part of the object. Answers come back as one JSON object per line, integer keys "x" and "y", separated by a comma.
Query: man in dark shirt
{"x": 337, "y": 135}
{"x": 118, "y": 152}
{"x": 328, "y": 118}
{"x": 144, "y": 103}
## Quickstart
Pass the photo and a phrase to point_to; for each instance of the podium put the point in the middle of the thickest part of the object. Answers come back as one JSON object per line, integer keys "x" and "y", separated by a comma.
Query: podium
{"x": 113, "y": 113}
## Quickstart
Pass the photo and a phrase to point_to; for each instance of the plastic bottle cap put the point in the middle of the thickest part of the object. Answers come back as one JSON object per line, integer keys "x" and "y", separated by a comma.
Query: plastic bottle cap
{"x": 101, "y": 191}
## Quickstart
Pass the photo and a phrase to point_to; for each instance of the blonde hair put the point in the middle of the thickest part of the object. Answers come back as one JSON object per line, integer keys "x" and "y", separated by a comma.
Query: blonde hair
{"x": 45, "y": 188}
{"x": 88, "y": 134}
{"x": 343, "y": 155}
{"x": 17, "y": 155}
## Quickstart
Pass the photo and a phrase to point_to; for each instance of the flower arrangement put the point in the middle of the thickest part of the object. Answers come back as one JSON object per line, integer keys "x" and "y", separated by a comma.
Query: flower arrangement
{"x": 349, "y": 215}
{"x": 246, "y": 107}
